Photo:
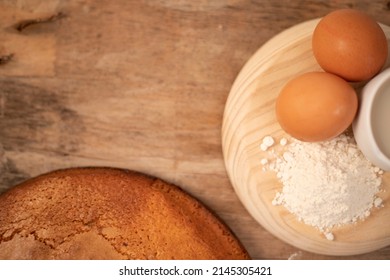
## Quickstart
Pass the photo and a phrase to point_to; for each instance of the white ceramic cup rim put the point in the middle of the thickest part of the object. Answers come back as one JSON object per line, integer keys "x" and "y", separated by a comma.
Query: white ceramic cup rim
{"x": 364, "y": 121}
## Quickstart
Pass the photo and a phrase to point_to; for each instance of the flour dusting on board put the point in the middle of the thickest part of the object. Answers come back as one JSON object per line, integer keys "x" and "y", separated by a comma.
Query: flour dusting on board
{"x": 325, "y": 184}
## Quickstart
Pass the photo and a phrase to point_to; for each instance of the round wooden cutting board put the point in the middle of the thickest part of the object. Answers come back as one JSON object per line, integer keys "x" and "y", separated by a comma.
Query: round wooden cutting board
{"x": 249, "y": 117}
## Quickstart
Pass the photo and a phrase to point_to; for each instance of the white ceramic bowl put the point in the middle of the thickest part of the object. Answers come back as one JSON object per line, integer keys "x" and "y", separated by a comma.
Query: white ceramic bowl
{"x": 369, "y": 121}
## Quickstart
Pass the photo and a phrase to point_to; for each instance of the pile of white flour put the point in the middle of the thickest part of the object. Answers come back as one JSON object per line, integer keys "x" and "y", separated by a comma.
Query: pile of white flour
{"x": 326, "y": 184}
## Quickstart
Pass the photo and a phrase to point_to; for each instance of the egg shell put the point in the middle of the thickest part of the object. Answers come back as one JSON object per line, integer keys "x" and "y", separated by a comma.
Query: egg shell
{"x": 316, "y": 106}
{"x": 351, "y": 44}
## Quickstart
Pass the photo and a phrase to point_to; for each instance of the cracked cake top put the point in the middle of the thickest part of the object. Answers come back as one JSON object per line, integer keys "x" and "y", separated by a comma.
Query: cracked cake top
{"x": 107, "y": 213}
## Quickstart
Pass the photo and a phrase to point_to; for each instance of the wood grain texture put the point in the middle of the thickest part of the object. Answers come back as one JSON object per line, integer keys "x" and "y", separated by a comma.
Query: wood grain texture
{"x": 140, "y": 84}
{"x": 250, "y": 116}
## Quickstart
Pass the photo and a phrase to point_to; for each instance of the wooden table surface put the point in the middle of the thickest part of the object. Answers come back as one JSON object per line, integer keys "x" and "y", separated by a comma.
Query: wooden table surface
{"x": 140, "y": 84}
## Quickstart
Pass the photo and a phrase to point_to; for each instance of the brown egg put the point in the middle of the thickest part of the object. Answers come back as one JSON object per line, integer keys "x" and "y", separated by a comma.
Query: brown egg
{"x": 350, "y": 44}
{"x": 316, "y": 106}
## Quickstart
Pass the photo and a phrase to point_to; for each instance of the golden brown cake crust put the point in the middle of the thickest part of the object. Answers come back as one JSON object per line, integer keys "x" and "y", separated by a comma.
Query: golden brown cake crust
{"x": 107, "y": 213}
